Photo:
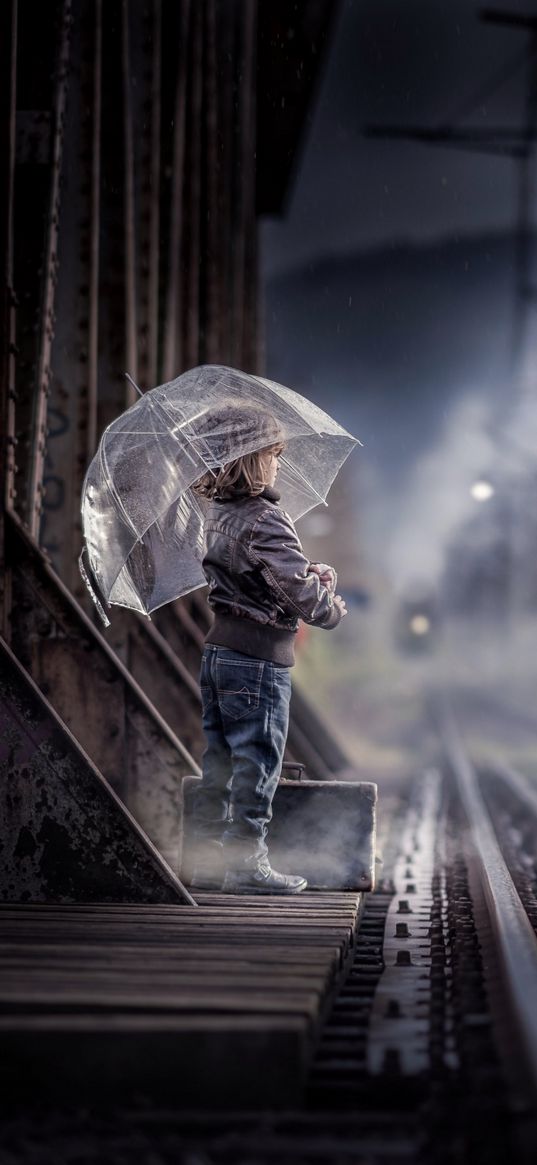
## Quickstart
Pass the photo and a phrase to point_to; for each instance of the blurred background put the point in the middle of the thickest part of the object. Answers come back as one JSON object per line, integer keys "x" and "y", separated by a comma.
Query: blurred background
{"x": 400, "y": 292}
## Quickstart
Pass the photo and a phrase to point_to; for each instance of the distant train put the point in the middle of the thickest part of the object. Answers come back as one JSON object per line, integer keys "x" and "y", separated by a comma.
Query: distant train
{"x": 417, "y": 623}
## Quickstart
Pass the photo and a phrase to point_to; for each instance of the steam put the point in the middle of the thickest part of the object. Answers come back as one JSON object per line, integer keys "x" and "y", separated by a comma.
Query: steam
{"x": 417, "y": 526}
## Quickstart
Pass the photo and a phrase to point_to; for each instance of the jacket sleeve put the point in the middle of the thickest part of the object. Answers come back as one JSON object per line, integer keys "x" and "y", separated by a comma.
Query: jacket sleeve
{"x": 274, "y": 547}
{"x": 323, "y": 568}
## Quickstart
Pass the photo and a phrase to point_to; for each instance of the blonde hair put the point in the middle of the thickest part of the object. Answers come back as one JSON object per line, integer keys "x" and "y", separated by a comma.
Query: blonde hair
{"x": 240, "y": 478}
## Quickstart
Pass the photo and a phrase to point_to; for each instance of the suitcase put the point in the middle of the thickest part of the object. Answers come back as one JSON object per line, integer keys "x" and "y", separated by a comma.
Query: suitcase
{"x": 324, "y": 830}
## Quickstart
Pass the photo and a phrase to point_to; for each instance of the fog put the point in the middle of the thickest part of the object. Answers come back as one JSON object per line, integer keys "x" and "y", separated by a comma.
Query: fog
{"x": 394, "y": 298}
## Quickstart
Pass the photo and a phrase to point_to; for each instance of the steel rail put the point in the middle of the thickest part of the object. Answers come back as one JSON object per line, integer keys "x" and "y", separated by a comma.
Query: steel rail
{"x": 212, "y": 241}
{"x": 516, "y": 783}
{"x": 131, "y": 330}
{"x": 50, "y": 278}
{"x": 194, "y": 194}
{"x": 94, "y": 233}
{"x": 173, "y": 352}
{"x": 145, "y": 97}
{"x": 225, "y": 130}
{"x": 149, "y": 631}
{"x": 516, "y": 939}
{"x": 153, "y": 273}
{"x": 8, "y": 81}
{"x": 243, "y": 314}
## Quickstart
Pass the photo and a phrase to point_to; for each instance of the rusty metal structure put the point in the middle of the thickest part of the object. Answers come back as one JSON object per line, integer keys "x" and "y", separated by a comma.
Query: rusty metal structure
{"x": 143, "y": 139}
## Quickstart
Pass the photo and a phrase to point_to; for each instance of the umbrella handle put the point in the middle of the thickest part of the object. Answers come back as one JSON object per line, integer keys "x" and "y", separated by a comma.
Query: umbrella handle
{"x": 91, "y": 590}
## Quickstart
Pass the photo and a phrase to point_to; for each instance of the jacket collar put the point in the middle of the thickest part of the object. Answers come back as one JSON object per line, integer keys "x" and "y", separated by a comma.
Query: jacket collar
{"x": 270, "y": 494}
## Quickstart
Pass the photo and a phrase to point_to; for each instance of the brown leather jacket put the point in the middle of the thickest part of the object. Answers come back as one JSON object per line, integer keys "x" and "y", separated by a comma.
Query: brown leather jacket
{"x": 260, "y": 581}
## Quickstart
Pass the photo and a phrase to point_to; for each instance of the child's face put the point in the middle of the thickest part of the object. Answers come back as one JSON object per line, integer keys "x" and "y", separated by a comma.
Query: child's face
{"x": 270, "y": 464}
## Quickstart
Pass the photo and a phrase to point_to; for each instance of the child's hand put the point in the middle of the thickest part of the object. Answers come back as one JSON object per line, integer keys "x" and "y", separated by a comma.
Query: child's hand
{"x": 339, "y": 602}
{"x": 326, "y": 574}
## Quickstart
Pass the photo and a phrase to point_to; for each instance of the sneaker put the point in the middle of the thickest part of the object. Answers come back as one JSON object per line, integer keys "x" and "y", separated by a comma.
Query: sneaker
{"x": 209, "y": 870}
{"x": 262, "y": 879}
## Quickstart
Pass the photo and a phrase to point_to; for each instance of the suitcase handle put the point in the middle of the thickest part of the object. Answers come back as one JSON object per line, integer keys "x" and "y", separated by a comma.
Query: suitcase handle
{"x": 291, "y": 766}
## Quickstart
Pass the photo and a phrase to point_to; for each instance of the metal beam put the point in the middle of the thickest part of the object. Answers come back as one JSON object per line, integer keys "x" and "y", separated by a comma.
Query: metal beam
{"x": 64, "y": 834}
{"x": 172, "y": 340}
{"x": 8, "y": 73}
{"x": 94, "y": 234}
{"x": 46, "y": 332}
{"x": 72, "y": 404}
{"x": 96, "y": 696}
{"x": 130, "y": 275}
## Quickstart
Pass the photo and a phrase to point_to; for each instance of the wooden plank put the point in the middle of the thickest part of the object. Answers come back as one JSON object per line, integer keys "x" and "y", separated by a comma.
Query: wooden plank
{"x": 158, "y": 996}
{"x": 235, "y": 931}
{"x": 201, "y": 917}
{"x": 155, "y": 956}
{"x": 238, "y": 1002}
{"x": 184, "y": 1061}
{"x": 223, "y": 902}
{"x": 157, "y": 989}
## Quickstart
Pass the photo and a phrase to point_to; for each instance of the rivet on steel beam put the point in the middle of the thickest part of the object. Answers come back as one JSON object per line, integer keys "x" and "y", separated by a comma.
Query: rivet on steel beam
{"x": 393, "y": 1009}
{"x": 404, "y": 908}
{"x": 411, "y": 888}
{"x": 401, "y": 930}
{"x": 403, "y": 959}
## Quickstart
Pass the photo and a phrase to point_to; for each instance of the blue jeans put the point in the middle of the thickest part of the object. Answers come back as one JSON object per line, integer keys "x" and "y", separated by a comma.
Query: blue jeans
{"x": 245, "y": 720}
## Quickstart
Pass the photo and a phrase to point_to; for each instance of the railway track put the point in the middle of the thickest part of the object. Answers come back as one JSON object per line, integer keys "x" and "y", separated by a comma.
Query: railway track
{"x": 427, "y": 1049}
{"x": 436, "y": 1023}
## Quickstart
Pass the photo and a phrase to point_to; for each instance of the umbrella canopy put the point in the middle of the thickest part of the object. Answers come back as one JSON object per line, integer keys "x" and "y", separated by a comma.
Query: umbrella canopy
{"x": 143, "y": 524}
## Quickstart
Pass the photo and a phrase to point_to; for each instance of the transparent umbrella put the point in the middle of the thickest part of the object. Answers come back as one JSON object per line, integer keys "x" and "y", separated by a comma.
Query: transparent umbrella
{"x": 144, "y": 525}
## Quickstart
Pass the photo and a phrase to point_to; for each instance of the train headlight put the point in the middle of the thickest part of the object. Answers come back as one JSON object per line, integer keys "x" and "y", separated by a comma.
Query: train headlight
{"x": 420, "y": 625}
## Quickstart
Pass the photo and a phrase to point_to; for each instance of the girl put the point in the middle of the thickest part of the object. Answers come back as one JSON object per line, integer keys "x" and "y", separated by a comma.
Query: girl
{"x": 260, "y": 585}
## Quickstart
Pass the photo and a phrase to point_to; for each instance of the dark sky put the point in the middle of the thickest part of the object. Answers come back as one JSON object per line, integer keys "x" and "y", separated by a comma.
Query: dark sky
{"x": 414, "y": 62}
{"x": 390, "y": 279}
